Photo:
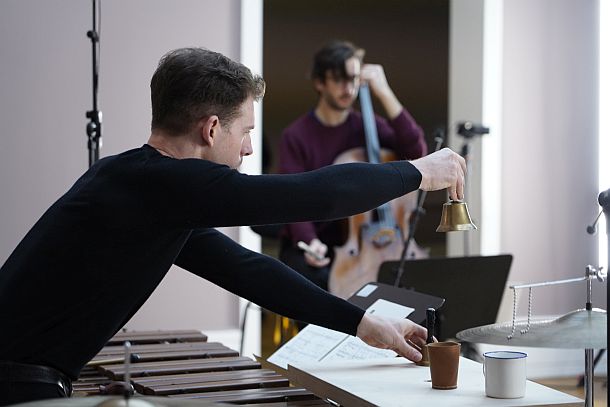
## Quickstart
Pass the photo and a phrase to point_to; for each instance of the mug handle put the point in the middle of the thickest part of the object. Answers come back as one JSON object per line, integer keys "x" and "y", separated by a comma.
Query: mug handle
{"x": 484, "y": 368}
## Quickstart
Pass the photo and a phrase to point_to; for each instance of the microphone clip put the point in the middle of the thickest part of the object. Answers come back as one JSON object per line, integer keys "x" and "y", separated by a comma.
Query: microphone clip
{"x": 469, "y": 129}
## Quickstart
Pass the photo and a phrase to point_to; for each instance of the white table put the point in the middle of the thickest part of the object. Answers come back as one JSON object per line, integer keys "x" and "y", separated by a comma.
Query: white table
{"x": 398, "y": 382}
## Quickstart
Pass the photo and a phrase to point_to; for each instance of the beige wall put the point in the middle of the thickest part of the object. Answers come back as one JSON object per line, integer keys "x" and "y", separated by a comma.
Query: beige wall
{"x": 45, "y": 89}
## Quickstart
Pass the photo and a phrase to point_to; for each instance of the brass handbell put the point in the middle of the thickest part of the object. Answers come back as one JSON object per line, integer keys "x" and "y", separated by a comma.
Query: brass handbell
{"x": 455, "y": 217}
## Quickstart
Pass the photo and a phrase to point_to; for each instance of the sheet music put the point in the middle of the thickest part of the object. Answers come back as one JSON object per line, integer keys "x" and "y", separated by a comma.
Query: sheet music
{"x": 353, "y": 348}
{"x": 315, "y": 343}
{"x": 312, "y": 343}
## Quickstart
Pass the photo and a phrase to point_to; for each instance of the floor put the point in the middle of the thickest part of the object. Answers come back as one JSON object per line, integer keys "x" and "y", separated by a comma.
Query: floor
{"x": 570, "y": 385}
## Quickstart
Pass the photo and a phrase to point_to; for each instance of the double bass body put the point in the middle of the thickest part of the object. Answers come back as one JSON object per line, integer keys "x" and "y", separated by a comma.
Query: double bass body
{"x": 373, "y": 237}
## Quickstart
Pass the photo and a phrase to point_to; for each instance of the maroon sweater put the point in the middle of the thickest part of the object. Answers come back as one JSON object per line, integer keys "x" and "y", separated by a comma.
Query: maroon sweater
{"x": 307, "y": 144}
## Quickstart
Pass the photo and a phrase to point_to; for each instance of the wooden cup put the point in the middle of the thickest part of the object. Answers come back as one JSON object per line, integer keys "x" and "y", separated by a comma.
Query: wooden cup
{"x": 425, "y": 359}
{"x": 444, "y": 362}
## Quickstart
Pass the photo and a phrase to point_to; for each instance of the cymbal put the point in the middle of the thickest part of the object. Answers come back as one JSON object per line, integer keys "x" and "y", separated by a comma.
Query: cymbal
{"x": 117, "y": 401}
{"x": 580, "y": 329}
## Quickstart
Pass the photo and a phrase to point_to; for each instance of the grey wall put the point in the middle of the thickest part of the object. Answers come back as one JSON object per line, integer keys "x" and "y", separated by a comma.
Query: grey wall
{"x": 549, "y": 148}
{"x": 45, "y": 89}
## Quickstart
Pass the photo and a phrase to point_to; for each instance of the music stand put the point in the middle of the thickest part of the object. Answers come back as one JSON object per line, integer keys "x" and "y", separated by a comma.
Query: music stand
{"x": 471, "y": 286}
{"x": 365, "y": 297}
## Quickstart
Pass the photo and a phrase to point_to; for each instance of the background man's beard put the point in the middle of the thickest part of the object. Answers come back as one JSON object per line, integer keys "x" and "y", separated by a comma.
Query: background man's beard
{"x": 334, "y": 104}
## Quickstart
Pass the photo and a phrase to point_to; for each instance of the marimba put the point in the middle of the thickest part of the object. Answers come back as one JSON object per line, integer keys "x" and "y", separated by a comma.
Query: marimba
{"x": 184, "y": 365}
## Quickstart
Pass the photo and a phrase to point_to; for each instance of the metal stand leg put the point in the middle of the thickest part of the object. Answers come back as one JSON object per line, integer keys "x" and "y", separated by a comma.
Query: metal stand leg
{"x": 598, "y": 357}
{"x": 590, "y": 271}
{"x": 588, "y": 377}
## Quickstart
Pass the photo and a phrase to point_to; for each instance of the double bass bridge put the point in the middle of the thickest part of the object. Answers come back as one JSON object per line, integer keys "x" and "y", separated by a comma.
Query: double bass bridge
{"x": 381, "y": 235}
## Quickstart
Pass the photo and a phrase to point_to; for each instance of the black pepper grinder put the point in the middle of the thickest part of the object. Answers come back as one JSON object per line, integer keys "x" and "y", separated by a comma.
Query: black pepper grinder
{"x": 430, "y": 321}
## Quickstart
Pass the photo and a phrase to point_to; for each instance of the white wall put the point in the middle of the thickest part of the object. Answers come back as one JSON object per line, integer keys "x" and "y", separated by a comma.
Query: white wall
{"x": 45, "y": 89}
{"x": 466, "y": 103}
{"x": 549, "y": 146}
{"x": 544, "y": 142}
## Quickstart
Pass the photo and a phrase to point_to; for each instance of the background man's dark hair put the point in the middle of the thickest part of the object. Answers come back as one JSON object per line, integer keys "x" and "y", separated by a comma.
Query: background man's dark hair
{"x": 332, "y": 56}
{"x": 192, "y": 83}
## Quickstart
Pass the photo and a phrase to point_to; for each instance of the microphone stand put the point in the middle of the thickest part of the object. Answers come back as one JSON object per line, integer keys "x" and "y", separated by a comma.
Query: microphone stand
{"x": 439, "y": 138}
{"x": 94, "y": 127}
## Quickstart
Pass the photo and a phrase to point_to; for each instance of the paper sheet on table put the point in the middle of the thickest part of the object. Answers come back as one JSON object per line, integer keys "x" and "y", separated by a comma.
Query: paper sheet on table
{"x": 315, "y": 343}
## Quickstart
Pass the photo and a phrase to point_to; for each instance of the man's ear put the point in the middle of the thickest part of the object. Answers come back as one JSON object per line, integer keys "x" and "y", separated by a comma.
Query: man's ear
{"x": 210, "y": 129}
{"x": 318, "y": 85}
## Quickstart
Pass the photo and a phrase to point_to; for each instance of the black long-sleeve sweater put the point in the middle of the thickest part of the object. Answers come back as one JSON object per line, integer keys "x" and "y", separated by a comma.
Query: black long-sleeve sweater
{"x": 98, "y": 253}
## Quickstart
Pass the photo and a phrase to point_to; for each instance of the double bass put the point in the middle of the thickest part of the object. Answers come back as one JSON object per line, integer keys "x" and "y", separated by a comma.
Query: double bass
{"x": 375, "y": 236}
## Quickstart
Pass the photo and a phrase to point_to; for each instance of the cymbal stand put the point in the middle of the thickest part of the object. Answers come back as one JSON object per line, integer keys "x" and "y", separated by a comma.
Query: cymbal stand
{"x": 589, "y": 352}
{"x": 590, "y": 273}
{"x": 604, "y": 201}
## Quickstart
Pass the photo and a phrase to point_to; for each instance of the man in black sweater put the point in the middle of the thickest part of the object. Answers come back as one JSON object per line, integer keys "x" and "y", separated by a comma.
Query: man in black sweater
{"x": 139, "y": 212}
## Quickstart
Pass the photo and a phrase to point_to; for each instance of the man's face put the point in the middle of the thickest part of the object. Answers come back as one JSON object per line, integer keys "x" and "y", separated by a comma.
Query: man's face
{"x": 340, "y": 93}
{"x": 233, "y": 142}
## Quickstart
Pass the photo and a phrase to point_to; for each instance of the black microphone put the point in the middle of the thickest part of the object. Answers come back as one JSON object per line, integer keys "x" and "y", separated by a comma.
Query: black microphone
{"x": 592, "y": 229}
{"x": 604, "y": 202}
{"x": 439, "y": 134}
{"x": 470, "y": 129}
{"x": 604, "y": 199}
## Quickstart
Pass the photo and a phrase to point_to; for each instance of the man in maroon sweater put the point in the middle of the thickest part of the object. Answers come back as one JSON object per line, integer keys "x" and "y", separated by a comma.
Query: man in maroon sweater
{"x": 315, "y": 140}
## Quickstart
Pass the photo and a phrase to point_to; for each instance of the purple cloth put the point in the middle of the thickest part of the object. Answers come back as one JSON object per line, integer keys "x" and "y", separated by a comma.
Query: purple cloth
{"x": 307, "y": 144}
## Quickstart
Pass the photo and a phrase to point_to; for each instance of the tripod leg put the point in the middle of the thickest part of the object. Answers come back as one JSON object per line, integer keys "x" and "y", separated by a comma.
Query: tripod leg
{"x": 581, "y": 379}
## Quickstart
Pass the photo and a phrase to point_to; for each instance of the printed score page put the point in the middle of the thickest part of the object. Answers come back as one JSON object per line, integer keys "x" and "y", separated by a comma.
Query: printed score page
{"x": 315, "y": 343}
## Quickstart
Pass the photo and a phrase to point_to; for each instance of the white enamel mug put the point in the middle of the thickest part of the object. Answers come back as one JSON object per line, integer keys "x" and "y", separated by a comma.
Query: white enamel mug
{"x": 505, "y": 374}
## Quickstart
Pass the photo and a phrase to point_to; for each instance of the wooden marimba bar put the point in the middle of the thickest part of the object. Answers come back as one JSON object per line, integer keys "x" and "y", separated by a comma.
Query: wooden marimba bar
{"x": 183, "y": 365}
